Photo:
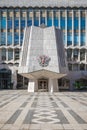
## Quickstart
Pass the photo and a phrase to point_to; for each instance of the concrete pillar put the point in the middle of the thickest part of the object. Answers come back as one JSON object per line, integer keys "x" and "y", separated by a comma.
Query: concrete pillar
{"x": 14, "y": 78}
{"x": 53, "y": 85}
{"x": 33, "y": 85}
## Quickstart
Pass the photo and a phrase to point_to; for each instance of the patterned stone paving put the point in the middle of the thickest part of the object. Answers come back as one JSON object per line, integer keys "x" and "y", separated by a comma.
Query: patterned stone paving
{"x": 20, "y": 110}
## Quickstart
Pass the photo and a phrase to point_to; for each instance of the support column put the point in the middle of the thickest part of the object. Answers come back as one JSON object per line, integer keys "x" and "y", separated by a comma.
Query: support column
{"x": 14, "y": 78}
{"x": 33, "y": 85}
{"x": 53, "y": 85}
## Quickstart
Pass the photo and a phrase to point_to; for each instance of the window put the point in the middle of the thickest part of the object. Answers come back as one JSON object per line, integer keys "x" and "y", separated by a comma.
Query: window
{"x": 23, "y": 19}
{"x": 9, "y": 38}
{"x": 29, "y": 18}
{"x": 76, "y": 20}
{"x": 9, "y": 22}
{"x": 16, "y": 38}
{"x": 21, "y": 38}
{"x": 62, "y": 19}
{"x": 75, "y": 67}
{"x": 56, "y": 18}
{"x": 10, "y": 54}
{"x": 69, "y": 20}
{"x": 82, "y": 20}
{"x": 3, "y": 38}
{"x": 16, "y": 54}
{"x": 70, "y": 67}
{"x": 3, "y": 20}
{"x": 16, "y": 19}
{"x": 49, "y": 18}
{"x": 42, "y": 17}
{"x": 76, "y": 37}
{"x": 36, "y": 18}
{"x": 3, "y": 54}
{"x": 69, "y": 55}
{"x": 82, "y": 55}
{"x": 69, "y": 37}
{"x": 75, "y": 54}
{"x": 82, "y": 39}
{"x": 82, "y": 66}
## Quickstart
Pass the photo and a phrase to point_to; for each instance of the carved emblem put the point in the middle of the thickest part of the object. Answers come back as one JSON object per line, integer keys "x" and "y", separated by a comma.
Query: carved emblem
{"x": 43, "y": 60}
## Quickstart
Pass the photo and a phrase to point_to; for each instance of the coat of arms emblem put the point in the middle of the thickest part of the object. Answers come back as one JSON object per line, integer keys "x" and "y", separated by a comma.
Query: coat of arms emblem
{"x": 43, "y": 60}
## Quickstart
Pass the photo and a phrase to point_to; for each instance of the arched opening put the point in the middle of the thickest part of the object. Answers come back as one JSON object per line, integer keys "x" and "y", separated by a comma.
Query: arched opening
{"x": 5, "y": 79}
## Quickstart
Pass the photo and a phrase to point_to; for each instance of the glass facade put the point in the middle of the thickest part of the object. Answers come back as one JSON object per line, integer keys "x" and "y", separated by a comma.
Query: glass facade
{"x": 71, "y": 21}
{"x": 18, "y": 19}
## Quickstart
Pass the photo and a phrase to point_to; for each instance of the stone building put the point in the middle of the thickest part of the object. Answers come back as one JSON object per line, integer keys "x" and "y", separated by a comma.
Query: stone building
{"x": 68, "y": 15}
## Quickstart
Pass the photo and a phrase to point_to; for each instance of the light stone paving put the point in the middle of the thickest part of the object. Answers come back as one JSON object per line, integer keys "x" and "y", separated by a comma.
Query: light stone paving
{"x": 20, "y": 110}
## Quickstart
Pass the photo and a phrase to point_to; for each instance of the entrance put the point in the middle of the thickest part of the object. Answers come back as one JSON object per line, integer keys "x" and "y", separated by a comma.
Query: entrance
{"x": 42, "y": 85}
{"x": 5, "y": 79}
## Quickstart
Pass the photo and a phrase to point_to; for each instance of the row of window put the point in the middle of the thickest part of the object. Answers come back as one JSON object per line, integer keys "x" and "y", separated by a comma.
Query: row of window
{"x": 19, "y": 39}
{"x": 76, "y": 55}
{"x": 77, "y": 67}
{"x": 10, "y": 54}
{"x": 58, "y": 18}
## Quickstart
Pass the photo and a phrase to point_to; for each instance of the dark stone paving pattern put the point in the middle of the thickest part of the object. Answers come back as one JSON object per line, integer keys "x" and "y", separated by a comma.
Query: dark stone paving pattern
{"x": 14, "y": 117}
{"x": 77, "y": 117}
{"x": 64, "y": 104}
{"x": 4, "y": 104}
{"x": 43, "y": 108}
{"x": 62, "y": 118}
{"x": 24, "y": 104}
{"x": 28, "y": 118}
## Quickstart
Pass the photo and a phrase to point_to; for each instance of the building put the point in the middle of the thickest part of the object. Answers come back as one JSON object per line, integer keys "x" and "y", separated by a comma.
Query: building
{"x": 68, "y": 15}
{"x": 42, "y": 58}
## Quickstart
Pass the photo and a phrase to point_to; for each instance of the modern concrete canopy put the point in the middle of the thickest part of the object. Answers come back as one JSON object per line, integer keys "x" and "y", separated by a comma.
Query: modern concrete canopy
{"x": 42, "y": 58}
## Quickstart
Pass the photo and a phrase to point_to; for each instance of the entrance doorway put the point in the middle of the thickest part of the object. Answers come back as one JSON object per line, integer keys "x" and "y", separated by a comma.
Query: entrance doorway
{"x": 5, "y": 79}
{"x": 42, "y": 85}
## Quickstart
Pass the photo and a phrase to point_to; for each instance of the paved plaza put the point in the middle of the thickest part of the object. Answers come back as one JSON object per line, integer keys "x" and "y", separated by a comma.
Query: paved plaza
{"x": 20, "y": 110}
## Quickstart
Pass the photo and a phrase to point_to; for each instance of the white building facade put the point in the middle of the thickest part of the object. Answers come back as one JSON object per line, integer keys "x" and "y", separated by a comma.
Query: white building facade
{"x": 69, "y": 16}
{"x": 42, "y": 58}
